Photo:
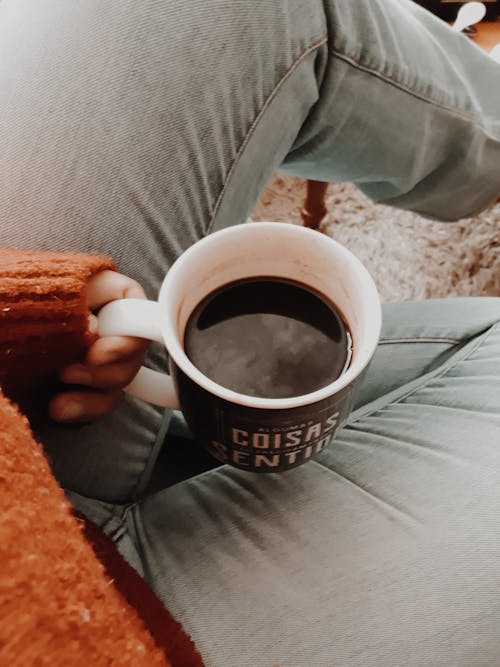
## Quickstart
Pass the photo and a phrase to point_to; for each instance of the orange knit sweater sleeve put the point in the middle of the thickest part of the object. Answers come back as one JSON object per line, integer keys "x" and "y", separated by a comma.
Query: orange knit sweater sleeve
{"x": 43, "y": 317}
{"x": 60, "y": 605}
{"x": 57, "y": 605}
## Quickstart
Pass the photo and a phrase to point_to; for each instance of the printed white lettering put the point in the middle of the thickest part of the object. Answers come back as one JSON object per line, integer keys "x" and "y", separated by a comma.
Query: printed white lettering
{"x": 308, "y": 452}
{"x": 240, "y": 437}
{"x": 331, "y": 421}
{"x": 293, "y": 438}
{"x": 266, "y": 461}
{"x": 277, "y": 440}
{"x": 291, "y": 456}
{"x": 260, "y": 440}
{"x": 323, "y": 443}
{"x": 313, "y": 431}
{"x": 241, "y": 458}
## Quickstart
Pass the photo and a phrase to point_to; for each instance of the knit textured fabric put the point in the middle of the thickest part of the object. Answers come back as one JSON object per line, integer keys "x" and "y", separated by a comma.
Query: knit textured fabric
{"x": 43, "y": 318}
{"x": 67, "y": 598}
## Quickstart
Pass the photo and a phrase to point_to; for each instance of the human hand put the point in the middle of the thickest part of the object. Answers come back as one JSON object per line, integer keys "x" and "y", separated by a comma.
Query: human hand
{"x": 111, "y": 361}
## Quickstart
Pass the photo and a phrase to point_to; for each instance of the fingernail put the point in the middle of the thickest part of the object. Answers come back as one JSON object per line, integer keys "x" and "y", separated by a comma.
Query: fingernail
{"x": 70, "y": 410}
{"x": 92, "y": 324}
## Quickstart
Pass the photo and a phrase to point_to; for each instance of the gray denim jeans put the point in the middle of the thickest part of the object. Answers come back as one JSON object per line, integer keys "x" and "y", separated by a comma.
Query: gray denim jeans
{"x": 135, "y": 128}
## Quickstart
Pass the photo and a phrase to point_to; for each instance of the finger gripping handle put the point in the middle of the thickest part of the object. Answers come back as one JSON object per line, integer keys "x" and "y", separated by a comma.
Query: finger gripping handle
{"x": 141, "y": 318}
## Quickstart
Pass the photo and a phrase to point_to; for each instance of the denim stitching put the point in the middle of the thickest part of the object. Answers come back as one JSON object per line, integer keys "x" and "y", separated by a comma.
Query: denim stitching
{"x": 315, "y": 45}
{"x": 144, "y": 475}
{"x": 424, "y": 380}
{"x": 361, "y": 413}
{"x": 379, "y": 500}
{"x": 401, "y": 86}
{"x": 419, "y": 383}
{"x": 417, "y": 339}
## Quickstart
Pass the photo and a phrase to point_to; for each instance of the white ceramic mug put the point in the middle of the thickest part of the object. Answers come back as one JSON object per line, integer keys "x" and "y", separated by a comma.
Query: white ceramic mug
{"x": 252, "y": 433}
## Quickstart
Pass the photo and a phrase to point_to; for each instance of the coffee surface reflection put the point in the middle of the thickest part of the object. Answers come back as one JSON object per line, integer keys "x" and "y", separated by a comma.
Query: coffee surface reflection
{"x": 268, "y": 337}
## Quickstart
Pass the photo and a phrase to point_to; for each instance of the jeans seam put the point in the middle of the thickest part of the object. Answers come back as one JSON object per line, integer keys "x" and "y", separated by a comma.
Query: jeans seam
{"x": 405, "y": 88}
{"x": 119, "y": 529}
{"x": 286, "y": 74}
{"x": 417, "y": 339}
{"x": 150, "y": 460}
{"x": 419, "y": 383}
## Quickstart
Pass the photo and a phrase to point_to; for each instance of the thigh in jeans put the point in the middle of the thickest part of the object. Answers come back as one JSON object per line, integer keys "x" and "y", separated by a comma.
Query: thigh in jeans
{"x": 120, "y": 125}
{"x": 382, "y": 552}
{"x": 136, "y": 128}
{"x": 418, "y": 337}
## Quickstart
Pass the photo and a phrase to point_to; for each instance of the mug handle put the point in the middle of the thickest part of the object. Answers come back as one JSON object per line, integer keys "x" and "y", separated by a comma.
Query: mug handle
{"x": 141, "y": 318}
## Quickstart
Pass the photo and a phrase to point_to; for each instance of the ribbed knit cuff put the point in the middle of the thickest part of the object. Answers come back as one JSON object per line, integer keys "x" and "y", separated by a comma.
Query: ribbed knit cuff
{"x": 43, "y": 315}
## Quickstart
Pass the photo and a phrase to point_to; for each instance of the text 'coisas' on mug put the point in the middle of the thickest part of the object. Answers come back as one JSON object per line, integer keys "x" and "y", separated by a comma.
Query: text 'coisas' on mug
{"x": 268, "y": 327}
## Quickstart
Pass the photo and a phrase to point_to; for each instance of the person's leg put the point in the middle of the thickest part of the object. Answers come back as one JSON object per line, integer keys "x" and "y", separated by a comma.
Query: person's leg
{"x": 121, "y": 126}
{"x": 416, "y": 338}
{"x": 135, "y": 129}
{"x": 408, "y": 110}
{"x": 382, "y": 552}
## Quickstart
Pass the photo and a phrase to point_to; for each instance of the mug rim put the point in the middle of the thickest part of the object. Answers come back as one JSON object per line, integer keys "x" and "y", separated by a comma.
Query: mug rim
{"x": 182, "y": 361}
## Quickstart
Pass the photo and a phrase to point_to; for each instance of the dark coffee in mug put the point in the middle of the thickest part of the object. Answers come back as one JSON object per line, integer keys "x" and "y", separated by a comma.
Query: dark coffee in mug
{"x": 273, "y": 379}
{"x": 268, "y": 337}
